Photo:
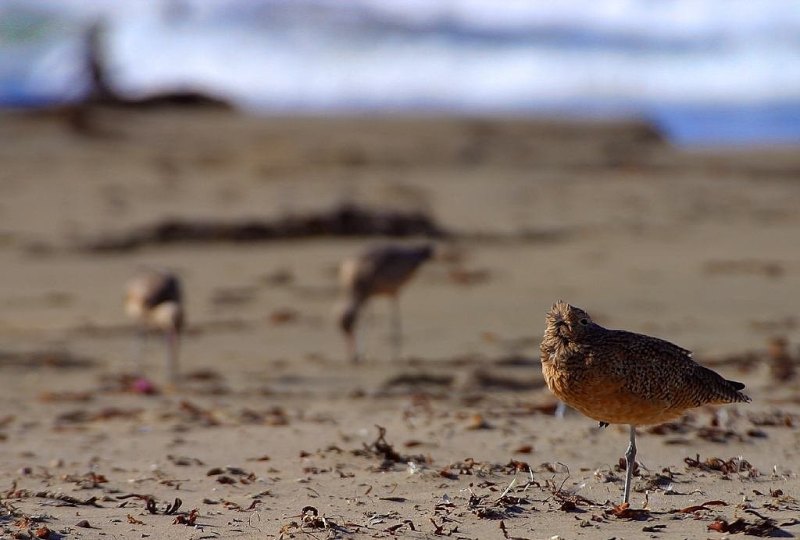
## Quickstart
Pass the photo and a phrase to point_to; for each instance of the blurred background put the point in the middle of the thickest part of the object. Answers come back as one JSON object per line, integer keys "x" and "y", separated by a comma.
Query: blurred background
{"x": 625, "y": 154}
{"x": 709, "y": 72}
{"x": 639, "y": 159}
{"x": 635, "y": 156}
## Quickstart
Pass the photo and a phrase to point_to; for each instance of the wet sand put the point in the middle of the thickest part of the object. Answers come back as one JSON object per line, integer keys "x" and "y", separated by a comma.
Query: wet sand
{"x": 273, "y": 433}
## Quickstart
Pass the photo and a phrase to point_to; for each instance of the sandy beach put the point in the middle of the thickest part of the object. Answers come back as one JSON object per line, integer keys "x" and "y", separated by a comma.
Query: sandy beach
{"x": 273, "y": 433}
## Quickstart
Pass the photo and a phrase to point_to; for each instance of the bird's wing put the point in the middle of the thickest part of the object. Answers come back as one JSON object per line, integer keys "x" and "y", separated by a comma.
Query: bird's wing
{"x": 649, "y": 346}
{"x": 398, "y": 266}
{"x": 648, "y": 367}
{"x": 380, "y": 269}
{"x": 163, "y": 288}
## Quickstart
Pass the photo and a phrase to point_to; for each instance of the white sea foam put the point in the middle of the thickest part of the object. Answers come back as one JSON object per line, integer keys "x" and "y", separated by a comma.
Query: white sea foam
{"x": 631, "y": 56}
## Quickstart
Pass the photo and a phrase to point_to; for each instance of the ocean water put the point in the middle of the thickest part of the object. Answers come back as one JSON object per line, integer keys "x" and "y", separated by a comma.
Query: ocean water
{"x": 704, "y": 71}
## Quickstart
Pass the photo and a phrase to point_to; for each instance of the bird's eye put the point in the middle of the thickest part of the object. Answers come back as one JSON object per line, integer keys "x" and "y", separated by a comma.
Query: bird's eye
{"x": 583, "y": 321}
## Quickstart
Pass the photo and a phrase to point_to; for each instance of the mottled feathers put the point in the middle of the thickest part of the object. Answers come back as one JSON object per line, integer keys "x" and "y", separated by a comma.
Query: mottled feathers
{"x": 623, "y": 377}
{"x": 380, "y": 270}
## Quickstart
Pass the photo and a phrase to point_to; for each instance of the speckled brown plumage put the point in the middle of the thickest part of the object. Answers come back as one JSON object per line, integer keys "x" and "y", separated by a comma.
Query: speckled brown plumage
{"x": 155, "y": 300}
{"x": 619, "y": 377}
{"x": 380, "y": 270}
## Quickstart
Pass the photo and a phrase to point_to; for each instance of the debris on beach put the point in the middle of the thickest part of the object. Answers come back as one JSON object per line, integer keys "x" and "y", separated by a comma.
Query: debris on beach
{"x": 346, "y": 220}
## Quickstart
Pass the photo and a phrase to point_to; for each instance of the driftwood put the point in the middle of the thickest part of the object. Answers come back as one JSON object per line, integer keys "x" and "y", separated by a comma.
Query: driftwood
{"x": 341, "y": 221}
{"x": 102, "y": 91}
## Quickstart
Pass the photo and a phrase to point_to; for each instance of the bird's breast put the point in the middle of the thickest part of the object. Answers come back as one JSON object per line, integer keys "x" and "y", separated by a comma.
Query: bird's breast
{"x": 598, "y": 393}
{"x": 558, "y": 379}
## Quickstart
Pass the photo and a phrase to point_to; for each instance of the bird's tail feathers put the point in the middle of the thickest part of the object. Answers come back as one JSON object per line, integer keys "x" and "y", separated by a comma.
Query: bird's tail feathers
{"x": 723, "y": 390}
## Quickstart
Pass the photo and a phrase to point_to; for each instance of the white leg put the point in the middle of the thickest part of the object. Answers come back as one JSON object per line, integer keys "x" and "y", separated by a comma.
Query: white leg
{"x": 397, "y": 330}
{"x": 350, "y": 346}
{"x": 358, "y": 347}
{"x": 360, "y": 333}
{"x": 561, "y": 409}
{"x": 353, "y": 347}
{"x": 173, "y": 345}
{"x": 137, "y": 350}
{"x": 630, "y": 463}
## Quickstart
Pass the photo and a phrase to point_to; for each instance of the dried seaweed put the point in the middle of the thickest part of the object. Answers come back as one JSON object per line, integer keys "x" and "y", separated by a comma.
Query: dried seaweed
{"x": 761, "y": 527}
{"x": 195, "y": 413}
{"x": 405, "y": 523}
{"x": 342, "y": 221}
{"x": 186, "y": 519}
{"x": 418, "y": 379}
{"x": 64, "y": 499}
{"x": 730, "y": 466}
{"x": 58, "y": 359}
{"x": 484, "y": 379}
{"x": 310, "y": 518}
{"x": 624, "y": 511}
{"x": 82, "y": 416}
{"x": 774, "y": 419}
{"x": 382, "y": 449}
{"x": 700, "y": 507}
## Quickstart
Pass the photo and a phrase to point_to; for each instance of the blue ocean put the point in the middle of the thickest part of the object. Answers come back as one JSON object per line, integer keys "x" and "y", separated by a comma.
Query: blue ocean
{"x": 706, "y": 72}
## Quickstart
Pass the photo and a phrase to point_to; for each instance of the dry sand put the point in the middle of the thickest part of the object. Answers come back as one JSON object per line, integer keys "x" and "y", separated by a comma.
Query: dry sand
{"x": 699, "y": 248}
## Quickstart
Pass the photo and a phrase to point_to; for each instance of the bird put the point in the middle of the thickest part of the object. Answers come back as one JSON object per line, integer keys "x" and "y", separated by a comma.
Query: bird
{"x": 620, "y": 377}
{"x": 155, "y": 300}
{"x": 377, "y": 271}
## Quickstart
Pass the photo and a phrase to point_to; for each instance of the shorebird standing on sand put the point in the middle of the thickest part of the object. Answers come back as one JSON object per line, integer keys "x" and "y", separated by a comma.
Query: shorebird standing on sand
{"x": 618, "y": 377}
{"x": 381, "y": 270}
{"x": 154, "y": 299}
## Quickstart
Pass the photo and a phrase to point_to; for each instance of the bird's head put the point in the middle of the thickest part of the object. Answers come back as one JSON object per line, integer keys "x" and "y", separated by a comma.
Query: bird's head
{"x": 567, "y": 323}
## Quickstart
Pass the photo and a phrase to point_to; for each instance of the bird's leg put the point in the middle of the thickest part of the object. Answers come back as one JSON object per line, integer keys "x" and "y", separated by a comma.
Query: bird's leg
{"x": 353, "y": 351}
{"x": 358, "y": 347}
{"x": 360, "y": 332}
{"x": 561, "y": 409}
{"x": 397, "y": 329}
{"x": 630, "y": 463}
{"x": 137, "y": 350}
{"x": 350, "y": 344}
{"x": 173, "y": 345}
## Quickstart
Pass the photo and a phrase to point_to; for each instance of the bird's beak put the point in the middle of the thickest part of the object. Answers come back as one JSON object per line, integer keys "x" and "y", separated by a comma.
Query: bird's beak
{"x": 559, "y": 323}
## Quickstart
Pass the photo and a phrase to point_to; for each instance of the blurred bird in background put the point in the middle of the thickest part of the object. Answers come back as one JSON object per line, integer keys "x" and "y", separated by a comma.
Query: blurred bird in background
{"x": 154, "y": 299}
{"x": 380, "y": 270}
